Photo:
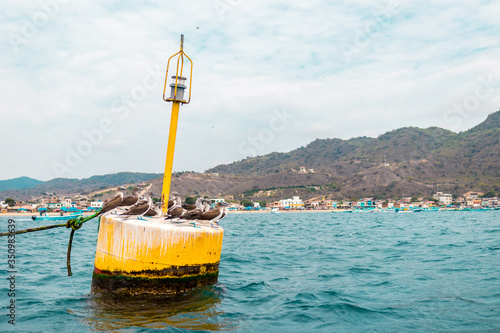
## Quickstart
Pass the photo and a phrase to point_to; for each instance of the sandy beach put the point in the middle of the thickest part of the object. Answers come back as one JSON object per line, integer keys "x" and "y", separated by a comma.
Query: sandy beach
{"x": 32, "y": 214}
{"x": 230, "y": 212}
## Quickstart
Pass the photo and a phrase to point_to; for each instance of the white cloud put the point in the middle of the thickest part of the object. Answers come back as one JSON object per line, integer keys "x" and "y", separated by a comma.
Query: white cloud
{"x": 252, "y": 59}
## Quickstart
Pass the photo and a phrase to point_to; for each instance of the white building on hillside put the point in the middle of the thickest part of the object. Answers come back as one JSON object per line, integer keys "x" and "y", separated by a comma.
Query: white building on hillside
{"x": 96, "y": 204}
{"x": 443, "y": 198}
{"x": 294, "y": 202}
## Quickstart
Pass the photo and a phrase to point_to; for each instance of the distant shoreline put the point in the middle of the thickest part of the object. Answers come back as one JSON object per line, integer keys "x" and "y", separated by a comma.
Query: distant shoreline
{"x": 281, "y": 211}
{"x": 34, "y": 214}
{"x": 231, "y": 212}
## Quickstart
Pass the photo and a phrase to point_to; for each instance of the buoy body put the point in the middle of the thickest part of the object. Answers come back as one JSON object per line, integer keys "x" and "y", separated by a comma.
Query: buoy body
{"x": 155, "y": 256}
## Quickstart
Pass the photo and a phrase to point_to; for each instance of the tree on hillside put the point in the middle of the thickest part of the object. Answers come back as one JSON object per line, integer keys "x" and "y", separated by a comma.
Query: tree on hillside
{"x": 489, "y": 194}
{"x": 9, "y": 201}
{"x": 246, "y": 203}
{"x": 190, "y": 200}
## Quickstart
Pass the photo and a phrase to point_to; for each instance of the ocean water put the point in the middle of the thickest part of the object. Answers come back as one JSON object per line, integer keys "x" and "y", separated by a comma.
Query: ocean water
{"x": 294, "y": 272}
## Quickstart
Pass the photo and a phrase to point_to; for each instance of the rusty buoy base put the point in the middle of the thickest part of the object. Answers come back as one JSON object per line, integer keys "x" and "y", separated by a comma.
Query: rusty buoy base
{"x": 122, "y": 285}
{"x": 155, "y": 256}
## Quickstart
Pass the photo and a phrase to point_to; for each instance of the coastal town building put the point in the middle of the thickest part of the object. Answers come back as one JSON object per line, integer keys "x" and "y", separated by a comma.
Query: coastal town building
{"x": 294, "y": 202}
{"x": 366, "y": 203}
{"x": 470, "y": 200}
{"x": 445, "y": 199}
{"x": 347, "y": 204}
{"x": 331, "y": 204}
{"x": 405, "y": 200}
{"x": 96, "y": 204}
{"x": 472, "y": 195}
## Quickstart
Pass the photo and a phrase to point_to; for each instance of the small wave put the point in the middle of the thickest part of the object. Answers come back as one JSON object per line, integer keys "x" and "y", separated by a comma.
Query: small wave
{"x": 254, "y": 286}
{"x": 360, "y": 270}
{"x": 330, "y": 276}
{"x": 377, "y": 284}
{"x": 346, "y": 308}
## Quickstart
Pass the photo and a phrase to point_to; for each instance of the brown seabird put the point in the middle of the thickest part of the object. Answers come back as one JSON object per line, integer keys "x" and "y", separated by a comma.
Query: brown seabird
{"x": 212, "y": 215}
{"x": 195, "y": 213}
{"x": 224, "y": 211}
{"x": 113, "y": 202}
{"x": 195, "y": 206}
{"x": 131, "y": 199}
{"x": 170, "y": 202}
{"x": 206, "y": 205}
{"x": 154, "y": 210}
{"x": 176, "y": 210}
{"x": 141, "y": 206}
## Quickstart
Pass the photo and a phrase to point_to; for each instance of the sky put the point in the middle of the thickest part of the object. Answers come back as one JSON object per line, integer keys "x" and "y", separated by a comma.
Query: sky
{"x": 81, "y": 83}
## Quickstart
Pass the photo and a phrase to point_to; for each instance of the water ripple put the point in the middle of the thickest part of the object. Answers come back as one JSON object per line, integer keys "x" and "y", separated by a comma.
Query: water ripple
{"x": 288, "y": 273}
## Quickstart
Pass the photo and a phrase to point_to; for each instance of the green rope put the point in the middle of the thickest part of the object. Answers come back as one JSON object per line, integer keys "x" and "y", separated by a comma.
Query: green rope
{"x": 32, "y": 229}
{"x": 74, "y": 224}
{"x": 68, "y": 255}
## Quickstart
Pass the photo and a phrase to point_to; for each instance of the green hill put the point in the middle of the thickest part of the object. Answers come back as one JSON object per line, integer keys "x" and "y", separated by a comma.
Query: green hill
{"x": 404, "y": 162}
{"x": 408, "y": 161}
{"x": 18, "y": 183}
{"x": 80, "y": 186}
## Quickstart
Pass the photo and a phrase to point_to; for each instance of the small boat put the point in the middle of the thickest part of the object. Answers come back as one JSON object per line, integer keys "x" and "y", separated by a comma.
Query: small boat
{"x": 56, "y": 218}
{"x": 275, "y": 210}
{"x": 416, "y": 210}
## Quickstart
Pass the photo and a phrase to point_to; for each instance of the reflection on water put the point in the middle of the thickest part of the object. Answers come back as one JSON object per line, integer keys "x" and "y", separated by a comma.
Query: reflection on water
{"x": 195, "y": 310}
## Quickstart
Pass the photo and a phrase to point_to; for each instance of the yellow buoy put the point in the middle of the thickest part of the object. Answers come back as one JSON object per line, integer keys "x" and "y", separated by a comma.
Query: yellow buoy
{"x": 142, "y": 255}
{"x": 155, "y": 256}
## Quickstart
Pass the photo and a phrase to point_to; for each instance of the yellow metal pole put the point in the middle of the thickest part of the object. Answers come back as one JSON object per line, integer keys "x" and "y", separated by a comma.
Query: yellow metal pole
{"x": 167, "y": 176}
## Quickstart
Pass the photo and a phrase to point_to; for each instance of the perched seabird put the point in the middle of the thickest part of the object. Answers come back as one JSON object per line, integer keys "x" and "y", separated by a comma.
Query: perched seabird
{"x": 131, "y": 199}
{"x": 224, "y": 211}
{"x": 197, "y": 204}
{"x": 113, "y": 202}
{"x": 176, "y": 210}
{"x": 141, "y": 206}
{"x": 195, "y": 213}
{"x": 170, "y": 202}
{"x": 206, "y": 205}
{"x": 154, "y": 210}
{"x": 212, "y": 215}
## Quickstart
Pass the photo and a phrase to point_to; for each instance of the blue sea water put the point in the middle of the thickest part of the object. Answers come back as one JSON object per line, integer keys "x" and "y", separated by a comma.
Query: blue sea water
{"x": 294, "y": 272}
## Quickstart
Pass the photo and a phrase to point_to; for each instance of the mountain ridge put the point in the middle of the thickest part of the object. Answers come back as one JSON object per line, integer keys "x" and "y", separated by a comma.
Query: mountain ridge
{"x": 18, "y": 183}
{"x": 81, "y": 186}
{"x": 408, "y": 161}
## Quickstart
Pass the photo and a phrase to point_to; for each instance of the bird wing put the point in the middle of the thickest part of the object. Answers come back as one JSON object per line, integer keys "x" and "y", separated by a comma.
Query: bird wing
{"x": 129, "y": 201}
{"x": 210, "y": 215}
{"x": 175, "y": 211}
{"x": 112, "y": 204}
{"x": 137, "y": 210}
{"x": 192, "y": 214}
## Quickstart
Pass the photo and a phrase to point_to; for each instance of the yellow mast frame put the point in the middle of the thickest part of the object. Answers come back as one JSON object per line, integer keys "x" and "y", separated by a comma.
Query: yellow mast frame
{"x": 167, "y": 175}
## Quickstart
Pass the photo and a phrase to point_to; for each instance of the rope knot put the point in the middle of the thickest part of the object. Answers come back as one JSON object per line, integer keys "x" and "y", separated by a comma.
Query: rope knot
{"x": 75, "y": 224}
